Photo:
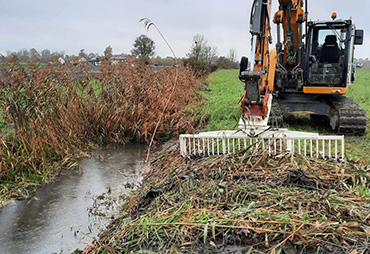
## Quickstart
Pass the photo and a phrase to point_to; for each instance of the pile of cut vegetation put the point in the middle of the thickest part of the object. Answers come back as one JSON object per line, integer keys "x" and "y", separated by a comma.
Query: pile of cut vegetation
{"x": 244, "y": 204}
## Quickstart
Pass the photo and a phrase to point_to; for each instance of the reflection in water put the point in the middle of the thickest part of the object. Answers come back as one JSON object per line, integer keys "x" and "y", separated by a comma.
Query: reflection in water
{"x": 57, "y": 220}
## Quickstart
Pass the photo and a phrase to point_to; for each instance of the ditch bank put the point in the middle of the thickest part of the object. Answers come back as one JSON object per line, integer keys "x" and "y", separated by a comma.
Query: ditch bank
{"x": 68, "y": 213}
{"x": 243, "y": 204}
{"x": 52, "y": 115}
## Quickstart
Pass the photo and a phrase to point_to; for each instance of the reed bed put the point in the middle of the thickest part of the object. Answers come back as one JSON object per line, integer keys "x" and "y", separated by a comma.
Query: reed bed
{"x": 244, "y": 203}
{"x": 51, "y": 115}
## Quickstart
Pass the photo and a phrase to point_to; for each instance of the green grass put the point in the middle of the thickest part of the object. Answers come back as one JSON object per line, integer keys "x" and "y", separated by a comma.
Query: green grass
{"x": 223, "y": 95}
{"x": 359, "y": 147}
{"x": 25, "y": 64}
{"x": 223, "y": 106}
{"x": 359, "y": 90}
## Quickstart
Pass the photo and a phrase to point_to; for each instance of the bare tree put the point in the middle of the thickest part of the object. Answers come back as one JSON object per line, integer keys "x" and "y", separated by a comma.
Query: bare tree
{"x": 210, "y": 54}
{"x": 197, "y": 48}
{"x": 23, "y": 55}
{"x": 45, "y": 55}
{"x": 33, "y": 52}
{"x": 200, "y": 50}
{"x": 57, "y": 54}
{"x": 232, "y": 55}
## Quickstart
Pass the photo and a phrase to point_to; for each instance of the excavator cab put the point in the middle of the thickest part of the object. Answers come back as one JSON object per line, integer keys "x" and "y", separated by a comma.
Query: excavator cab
{"x": 329, "y": 53}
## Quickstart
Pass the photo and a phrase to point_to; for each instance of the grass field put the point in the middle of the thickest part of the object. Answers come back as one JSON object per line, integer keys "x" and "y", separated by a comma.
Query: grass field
{"x": 223, "y": 95}
{"x": 359, "y": 90}
{"x": 223, "y": 109}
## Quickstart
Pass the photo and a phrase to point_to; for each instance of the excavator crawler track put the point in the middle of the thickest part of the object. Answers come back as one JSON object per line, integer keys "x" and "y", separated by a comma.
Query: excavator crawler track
{"x": 351, "y": 117}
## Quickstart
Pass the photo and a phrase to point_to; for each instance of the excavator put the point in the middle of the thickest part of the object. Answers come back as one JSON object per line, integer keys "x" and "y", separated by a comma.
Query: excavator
{"x": 309, "y": 72}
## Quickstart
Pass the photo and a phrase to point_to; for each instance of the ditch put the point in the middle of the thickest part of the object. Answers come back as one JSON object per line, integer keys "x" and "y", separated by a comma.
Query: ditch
{"x": 68, "y": 213}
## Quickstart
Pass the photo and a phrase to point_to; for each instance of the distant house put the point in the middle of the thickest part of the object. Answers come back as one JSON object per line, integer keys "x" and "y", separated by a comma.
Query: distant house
{"x": 75, "y": 60}
{"x": 82, "y": 60}
{"x": 115, "y": 59}
{"x": 118, "y": 58}
{"x": 96, "y": 61}
{"x": 124, "y": 58}
{"x": 130, "y": 60}
{"x": 359, "y": 65}
{"x": 61, "y": 60}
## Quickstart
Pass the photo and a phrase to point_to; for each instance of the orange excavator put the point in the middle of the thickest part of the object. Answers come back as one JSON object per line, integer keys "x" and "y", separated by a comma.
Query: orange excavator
{"x": 309, "y": 72}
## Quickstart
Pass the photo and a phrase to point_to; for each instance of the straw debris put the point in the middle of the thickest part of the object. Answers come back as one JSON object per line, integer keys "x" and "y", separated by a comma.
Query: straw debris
{"x": 244, "y": 204}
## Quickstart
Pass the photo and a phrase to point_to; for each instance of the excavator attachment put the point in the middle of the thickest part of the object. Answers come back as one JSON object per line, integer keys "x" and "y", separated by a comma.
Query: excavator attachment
{"x": 255, "y": 135}
{"x": 272, "y": 142}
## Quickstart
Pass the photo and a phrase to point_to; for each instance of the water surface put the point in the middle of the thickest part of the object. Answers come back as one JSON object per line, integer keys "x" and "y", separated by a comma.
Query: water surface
{"x": 62, "y": 215}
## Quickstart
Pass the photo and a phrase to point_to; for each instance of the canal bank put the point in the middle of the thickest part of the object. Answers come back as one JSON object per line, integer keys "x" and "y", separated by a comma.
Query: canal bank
{"x": 66, "y": 214}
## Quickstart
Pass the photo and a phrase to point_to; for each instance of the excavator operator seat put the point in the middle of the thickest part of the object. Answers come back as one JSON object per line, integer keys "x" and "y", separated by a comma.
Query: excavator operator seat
{"x": 330, "y": 51}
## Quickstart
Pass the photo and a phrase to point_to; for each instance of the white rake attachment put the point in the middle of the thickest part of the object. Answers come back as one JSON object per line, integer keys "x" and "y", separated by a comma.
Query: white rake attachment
{"x": 271, "y": 142}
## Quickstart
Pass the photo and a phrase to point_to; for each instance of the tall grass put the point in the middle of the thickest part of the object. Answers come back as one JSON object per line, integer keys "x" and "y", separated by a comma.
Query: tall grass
{"x": 50, "y": 115}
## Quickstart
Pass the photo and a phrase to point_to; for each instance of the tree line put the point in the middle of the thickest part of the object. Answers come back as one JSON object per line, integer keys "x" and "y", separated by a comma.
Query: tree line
{"x": 44, "y": 56}
{"x": 202, "y": 55}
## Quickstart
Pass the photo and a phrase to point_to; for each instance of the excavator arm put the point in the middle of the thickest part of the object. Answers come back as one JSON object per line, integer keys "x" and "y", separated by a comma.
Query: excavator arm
{"x": 259, "y": 79}
{"x": 261, "y": 33}
{"x": 255, "y": 102}
{"x": 291, "y": 15}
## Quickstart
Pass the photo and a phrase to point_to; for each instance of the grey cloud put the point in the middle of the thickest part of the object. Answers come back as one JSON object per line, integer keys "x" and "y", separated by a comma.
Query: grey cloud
{"x": 94, "y": 24}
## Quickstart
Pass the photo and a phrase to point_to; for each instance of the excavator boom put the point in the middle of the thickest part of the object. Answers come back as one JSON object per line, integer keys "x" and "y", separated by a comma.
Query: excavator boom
{"x": 256, "y": 101}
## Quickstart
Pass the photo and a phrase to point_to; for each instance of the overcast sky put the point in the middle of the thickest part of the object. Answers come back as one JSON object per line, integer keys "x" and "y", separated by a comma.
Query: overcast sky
{"x": 71, "y": 25}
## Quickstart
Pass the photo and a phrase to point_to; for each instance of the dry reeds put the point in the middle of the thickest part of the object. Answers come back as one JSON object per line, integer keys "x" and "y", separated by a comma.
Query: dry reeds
{"x": 51, "y": 114}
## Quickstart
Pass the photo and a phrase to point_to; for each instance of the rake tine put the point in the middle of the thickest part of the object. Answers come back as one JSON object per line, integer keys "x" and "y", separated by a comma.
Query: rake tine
{"x": 323, "y": 149}
{"x": 317, "y": 148}
{"x": 229, "y": 143}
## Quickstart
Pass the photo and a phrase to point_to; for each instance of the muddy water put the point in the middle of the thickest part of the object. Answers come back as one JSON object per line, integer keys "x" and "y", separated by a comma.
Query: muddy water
{"x": 65, "y": 214}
